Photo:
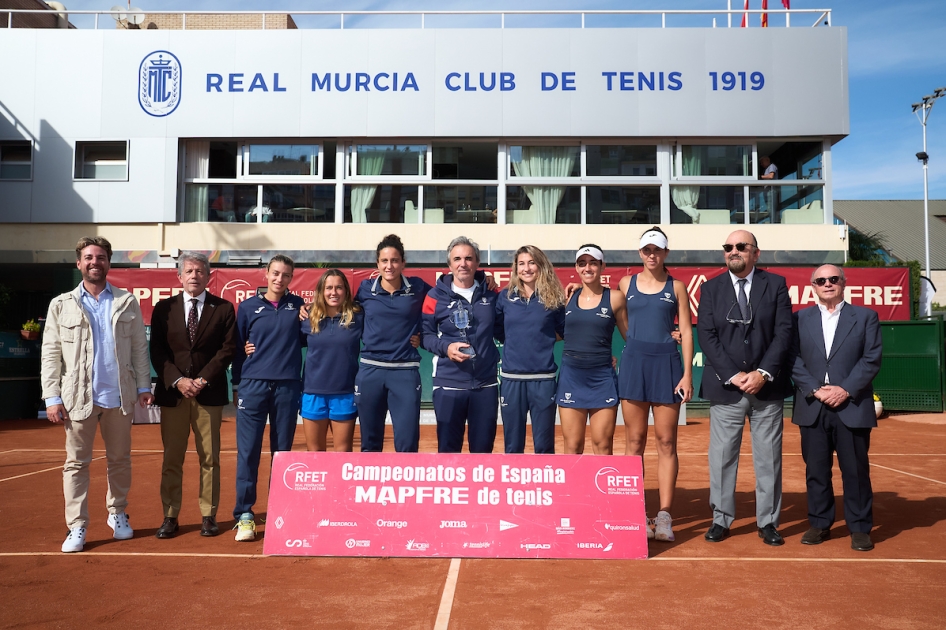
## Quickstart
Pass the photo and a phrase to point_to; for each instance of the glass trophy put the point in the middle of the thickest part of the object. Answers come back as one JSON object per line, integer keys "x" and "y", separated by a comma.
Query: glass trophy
{"x": 461, "y": 319}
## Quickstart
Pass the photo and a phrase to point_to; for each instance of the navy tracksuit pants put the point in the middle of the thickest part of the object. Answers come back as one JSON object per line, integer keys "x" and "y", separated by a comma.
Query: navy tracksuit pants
{"x": 378, "y": 390}
{"x": 257, "y": 400}
{"x": 537, "y": 397}
{"x": 455, "y": 408}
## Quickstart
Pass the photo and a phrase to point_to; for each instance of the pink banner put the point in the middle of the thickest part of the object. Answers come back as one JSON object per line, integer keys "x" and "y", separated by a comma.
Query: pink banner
{"x": 883, "y": 289}
{"x": 456, "y": 506}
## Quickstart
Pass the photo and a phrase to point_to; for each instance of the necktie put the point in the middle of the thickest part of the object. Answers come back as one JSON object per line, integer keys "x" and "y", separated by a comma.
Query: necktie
{"x": 743, "y": 299}
{"x": 192, "y": 321}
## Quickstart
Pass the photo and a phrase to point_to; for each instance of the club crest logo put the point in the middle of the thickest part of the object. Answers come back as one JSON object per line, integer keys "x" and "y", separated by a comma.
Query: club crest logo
{"x": 159, "y": 83}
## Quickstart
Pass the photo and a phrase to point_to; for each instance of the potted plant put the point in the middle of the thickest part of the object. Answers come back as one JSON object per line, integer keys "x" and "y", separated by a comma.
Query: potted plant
{"x": 30, "y": 330}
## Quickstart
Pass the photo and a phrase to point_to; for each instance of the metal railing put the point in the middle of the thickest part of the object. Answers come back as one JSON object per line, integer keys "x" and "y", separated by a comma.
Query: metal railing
{"x": 823, "y": 15}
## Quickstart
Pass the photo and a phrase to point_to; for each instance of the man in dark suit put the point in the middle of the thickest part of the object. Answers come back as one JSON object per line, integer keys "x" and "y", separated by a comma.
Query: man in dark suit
{"x": 745, "y": 331}
{"x": 837, "y": 352}
{"x": 192, "y": 343}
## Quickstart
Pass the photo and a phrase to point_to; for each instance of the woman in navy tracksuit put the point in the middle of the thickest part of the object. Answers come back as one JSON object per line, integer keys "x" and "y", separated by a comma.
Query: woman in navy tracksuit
{"x": 458, "y": 328}
{"x": 389, "y": 374}
{"x": 333, "y": 334}
{"x": 531, "y": 315}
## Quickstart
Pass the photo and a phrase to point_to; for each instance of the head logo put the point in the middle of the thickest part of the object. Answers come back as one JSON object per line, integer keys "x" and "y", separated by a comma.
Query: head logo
{"x": 159, "y": 83}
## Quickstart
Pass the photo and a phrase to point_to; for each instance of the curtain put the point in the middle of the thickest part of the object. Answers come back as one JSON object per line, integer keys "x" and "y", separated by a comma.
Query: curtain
{"x": 369, "y": 163}
{"x": 196, "y": 166}
{"x": 687, "y": 197}
{"x": 545, "y": 162}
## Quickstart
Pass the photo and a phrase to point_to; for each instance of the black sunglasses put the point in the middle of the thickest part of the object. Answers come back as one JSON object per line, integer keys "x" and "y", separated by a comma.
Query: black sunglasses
{"x": 823, "y": 281}
{"x": 739, "y": 246}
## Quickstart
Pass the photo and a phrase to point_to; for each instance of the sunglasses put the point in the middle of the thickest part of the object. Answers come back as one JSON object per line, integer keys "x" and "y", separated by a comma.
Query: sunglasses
{"x": 739, "y": 246}
{"x": 829, "y": 280}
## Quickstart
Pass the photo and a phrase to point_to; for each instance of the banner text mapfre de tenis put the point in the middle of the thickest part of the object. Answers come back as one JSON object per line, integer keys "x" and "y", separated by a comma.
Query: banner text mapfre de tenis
{"x": 883, "y": 289}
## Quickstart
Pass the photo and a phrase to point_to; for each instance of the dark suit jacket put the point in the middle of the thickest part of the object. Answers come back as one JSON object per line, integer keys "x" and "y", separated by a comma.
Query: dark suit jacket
{"x": 173, "y": 356}
{"x": 732, "y": 348}
{"x": 853, "y": 363}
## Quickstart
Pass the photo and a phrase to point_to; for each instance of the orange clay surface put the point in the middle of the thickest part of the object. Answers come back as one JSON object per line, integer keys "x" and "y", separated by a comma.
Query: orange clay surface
{"x": 195, "y": 582}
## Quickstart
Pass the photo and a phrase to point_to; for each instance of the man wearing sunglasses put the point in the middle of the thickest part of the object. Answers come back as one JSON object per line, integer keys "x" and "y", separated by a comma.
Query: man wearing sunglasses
{"x": 836, "y": 351}
{"x": 745, "y": 331}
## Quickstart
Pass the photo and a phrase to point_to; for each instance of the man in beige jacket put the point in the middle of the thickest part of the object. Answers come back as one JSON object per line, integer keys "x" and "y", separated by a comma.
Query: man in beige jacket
{"x": 95, "y": 366}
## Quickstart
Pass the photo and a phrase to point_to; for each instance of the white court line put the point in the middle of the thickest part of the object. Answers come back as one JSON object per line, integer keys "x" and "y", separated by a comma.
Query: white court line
{"x": 36, "y": 472}
{"x": 446, "y": 602}
{"x": 942, "y": 483}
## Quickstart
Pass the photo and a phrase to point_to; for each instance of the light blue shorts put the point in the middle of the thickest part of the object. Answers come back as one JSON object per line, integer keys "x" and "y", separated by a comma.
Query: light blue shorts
{"x": 338, "y": 407}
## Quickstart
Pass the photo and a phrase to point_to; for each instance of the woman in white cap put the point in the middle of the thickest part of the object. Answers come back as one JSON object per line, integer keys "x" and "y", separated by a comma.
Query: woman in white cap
{"x": 587, "y": 383}
{"x": 652, "y": 376}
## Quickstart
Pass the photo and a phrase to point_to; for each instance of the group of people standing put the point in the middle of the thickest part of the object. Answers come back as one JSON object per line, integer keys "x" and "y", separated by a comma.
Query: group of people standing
{"x": 363, "y": 363}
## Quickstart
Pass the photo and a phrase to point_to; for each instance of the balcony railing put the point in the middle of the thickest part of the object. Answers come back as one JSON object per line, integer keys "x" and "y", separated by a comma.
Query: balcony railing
{"x": 625, "y": 18}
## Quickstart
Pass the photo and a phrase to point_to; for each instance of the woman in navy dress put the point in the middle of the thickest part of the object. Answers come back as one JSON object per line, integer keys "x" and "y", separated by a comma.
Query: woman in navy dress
{"x": 531, "y": 312}
{"x": 587, "y": 384}
{"x": 651, "y": 376}
{"x": 333, "y": 335}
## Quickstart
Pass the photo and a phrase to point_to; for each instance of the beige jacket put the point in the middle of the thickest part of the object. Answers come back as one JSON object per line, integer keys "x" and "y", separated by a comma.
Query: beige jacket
{"x": 67, "y": 352}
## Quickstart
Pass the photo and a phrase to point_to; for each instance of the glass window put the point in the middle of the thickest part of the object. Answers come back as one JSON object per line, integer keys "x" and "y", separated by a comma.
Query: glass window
{"x": 298, "y": 204}
{"x": 284, "y": 159}
{"x": 101, "y": 160}
{"x": 621, "y": 161}
{"x": 544, "y": 161}
{"x": 328, "y": 160}
{"x": 707, "y": 204}
{"x": 227, "y": 203}
{"x": 465, "y": 160}
{"x": 786, "y": 204}
{"x": 16, "y": 160}
{"x": 623, "y": 204}
{"x": 388, "y": 159}
{"x": 379, "y": 204}
{"x": 458, "y": 204}
{"x": 793, "y": 160}
{"x": 223, "y": 160}
{"x": 543, "y": 204}
{"x": 715, "y": 161}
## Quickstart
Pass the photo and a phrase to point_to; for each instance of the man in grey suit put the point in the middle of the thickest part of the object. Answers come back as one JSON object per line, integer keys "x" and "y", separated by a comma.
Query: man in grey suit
{"x": 745, "y": 331}
{"x": 837, "y": 352}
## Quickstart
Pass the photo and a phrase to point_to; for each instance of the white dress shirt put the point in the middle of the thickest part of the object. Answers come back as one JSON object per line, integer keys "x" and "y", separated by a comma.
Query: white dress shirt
{"x": 200, "y": 305}
{"x": 829, "y": 326}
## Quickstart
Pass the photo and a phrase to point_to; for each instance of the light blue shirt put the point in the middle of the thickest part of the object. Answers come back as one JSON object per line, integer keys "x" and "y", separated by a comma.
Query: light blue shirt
{"x": 105, "y": 391}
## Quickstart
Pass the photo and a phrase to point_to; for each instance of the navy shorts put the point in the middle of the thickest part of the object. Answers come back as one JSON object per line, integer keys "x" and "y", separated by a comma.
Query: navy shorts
{"x": 649, "y": 372}
{"x": 338, "y": 407}
{"x": 587, "y": 388}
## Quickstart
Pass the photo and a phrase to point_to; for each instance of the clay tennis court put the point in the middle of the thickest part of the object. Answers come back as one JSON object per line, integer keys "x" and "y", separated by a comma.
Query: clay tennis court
{"x": 190, "y": 581}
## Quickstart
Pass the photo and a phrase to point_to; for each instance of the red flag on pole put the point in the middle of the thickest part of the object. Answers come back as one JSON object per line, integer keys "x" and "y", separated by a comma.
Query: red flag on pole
{"x": 765, "y": 16}
{"x": 745, "y": 16}
{"x": 787, "y": 4}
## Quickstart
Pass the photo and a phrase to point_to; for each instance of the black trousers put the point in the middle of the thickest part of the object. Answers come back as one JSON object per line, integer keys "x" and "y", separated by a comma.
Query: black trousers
{"x": 819, "y": 442}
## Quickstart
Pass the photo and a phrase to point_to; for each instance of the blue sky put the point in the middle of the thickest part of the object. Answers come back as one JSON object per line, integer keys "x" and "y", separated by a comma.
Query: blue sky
{"x": 895, "y": 56}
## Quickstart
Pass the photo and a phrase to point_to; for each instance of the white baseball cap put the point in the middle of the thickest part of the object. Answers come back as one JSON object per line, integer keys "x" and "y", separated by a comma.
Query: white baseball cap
{"x": 653, "y": 237}
{"x": 594, "y": 252}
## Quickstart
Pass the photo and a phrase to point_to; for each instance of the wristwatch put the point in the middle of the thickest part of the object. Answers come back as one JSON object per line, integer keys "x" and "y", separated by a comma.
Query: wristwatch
{"x": 765, "y": 377}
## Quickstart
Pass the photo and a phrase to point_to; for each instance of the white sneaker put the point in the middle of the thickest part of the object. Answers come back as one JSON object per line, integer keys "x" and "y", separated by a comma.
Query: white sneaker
{"x": 650, "y": 528}
{"x": 119, "y": 524}
{"x": 75, "y": 541}
{"x": 246, "y": 528}
{"x": 663, "y": 530}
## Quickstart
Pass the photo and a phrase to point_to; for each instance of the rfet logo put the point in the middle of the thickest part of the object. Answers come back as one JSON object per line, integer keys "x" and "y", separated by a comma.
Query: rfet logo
{"x": 610, "y": 480}
{"x": 239, "y": 290}
{"x": 297, "y": 476}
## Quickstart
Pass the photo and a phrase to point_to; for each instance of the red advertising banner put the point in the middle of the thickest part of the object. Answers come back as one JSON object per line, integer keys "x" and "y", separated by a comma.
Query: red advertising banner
{"x": 885, "y": 290}
{"x": 456, "y": 506}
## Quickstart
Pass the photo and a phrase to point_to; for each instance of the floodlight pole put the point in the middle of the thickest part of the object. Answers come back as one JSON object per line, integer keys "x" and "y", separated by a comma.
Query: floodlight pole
{"x": 922, "y": 111}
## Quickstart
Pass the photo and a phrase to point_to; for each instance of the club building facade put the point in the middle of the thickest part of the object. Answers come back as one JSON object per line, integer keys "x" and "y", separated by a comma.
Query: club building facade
{"x": 316, "y": 143}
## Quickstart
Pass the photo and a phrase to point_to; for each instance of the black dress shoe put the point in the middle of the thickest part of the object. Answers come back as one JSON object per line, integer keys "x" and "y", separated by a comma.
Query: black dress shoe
{"x": 815, "y": 536}
{"x": 770, "y": 535}
{"x": 716, "y": 533}
{"x": 168, "y": 528}
{"x": 861, "y": 542}
{"x": 208, "y": 526}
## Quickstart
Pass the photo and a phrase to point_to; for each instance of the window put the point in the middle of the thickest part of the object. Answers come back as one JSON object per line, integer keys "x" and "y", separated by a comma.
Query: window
{"x": 386, "y": 160}
{"x": 623, "y": 204}
{"x": 543, "y": 204}
{"x": 544, "y": 161}
{"x": 283, "y": 159}
{"x": 380, "y": 204}
{"x": 714, "y": 161}
{"x": 465, "y": 160}
{"x": 458, "y": 204}
{"x": 621, "y": 161}
{"x": 16, "y": 160}
{"x": 707, "y": 204}
{"x": 102, "y": 160}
